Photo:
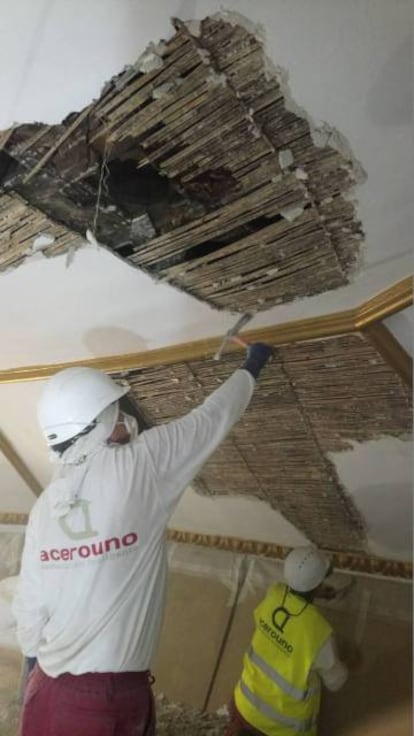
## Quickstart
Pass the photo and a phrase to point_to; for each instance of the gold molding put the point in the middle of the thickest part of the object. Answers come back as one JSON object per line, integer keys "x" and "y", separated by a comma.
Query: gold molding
{"x": 391, "y": 300}
{"x": 15, "y": 460}
{"x": 397, "y": 297}
{"x": 351, "y": 562}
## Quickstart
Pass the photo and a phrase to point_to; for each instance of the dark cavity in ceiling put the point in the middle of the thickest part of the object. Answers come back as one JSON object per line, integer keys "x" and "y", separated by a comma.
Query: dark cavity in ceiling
{"x": 208, "y": 178}
{"x": 315, "y": 398}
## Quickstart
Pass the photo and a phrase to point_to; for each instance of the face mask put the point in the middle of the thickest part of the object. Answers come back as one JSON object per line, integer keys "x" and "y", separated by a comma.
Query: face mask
{"x": 131, "y": 426}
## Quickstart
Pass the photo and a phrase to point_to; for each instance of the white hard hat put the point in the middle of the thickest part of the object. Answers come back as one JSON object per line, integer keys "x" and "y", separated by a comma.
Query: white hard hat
{"x": 72, "y": 399}
{"x": 305, "y": 568}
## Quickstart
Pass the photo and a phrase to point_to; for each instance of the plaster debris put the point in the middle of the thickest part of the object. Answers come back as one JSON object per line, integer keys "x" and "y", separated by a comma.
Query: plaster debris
{"x": 291, "y": 213}
{"x": 301, "y": 174}
{"x": 174, "y": 719}
{"x": 193, "y": 27}
{"x": 162, "y": 90}
{"x": 285, "y": 158}
{"x": 151, "y": 59}
{"x": 41, "y": 242}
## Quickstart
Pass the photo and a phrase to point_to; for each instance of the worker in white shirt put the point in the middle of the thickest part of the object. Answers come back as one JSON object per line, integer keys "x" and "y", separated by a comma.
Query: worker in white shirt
{"x": 292, "y": 651}
{"x": 90, "y": 598}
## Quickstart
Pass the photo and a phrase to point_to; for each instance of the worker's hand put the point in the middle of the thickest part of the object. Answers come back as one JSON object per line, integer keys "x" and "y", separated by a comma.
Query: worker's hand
{"x": 257, "y": 356}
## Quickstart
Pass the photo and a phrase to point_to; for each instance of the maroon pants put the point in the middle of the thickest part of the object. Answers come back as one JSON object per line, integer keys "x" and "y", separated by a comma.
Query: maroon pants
{"x": 237, "y": 726}
{"x": 98, "y": 704}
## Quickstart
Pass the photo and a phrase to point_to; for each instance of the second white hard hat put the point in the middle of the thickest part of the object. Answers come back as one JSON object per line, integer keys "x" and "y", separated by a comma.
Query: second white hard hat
{"x": 305, "y": 568}
{"x": 72, "y": 399}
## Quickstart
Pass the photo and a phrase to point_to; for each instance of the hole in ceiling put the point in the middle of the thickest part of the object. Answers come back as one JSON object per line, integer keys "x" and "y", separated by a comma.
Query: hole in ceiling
{"x": 197, "y": 174}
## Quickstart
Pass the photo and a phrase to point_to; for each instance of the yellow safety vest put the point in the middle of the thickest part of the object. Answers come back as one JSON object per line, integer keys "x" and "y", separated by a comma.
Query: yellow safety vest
{"x": 278, "y": 693}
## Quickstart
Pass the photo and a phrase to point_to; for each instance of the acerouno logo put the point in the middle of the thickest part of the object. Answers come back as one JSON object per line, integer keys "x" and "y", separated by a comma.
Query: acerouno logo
{"x": 279, "y": 640}
{"x": 88, "y": 550}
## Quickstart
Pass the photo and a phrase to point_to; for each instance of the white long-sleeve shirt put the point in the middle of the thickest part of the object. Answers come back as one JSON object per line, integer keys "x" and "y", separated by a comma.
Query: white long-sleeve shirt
{"x": 91, "y": 590}
{"x": 329, "y": 667}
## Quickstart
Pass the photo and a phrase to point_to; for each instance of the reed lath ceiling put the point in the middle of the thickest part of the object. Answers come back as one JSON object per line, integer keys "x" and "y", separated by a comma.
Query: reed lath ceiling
{"x": 313, "y": 399}
{"x": 211, "y": 181}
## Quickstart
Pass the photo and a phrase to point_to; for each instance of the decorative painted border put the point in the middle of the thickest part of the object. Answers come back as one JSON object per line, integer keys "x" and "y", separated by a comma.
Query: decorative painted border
{"x": 342, "y": 560}
{"x": 397, "y": 297}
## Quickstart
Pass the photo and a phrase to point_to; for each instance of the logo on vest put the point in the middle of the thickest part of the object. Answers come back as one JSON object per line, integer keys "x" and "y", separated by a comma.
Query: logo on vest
{"x": 86, "y": 531}
{"x": 275, "y": 636}
{"x": 280, "y": 617}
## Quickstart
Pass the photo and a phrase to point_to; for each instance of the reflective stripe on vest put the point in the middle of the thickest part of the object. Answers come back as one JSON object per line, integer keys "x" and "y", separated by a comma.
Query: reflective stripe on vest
{"x": 277, "y": 678}
{"x": 274, "y": 715}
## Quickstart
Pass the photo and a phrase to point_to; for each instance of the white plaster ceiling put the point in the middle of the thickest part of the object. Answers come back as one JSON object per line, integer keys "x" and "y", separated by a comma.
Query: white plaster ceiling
{"x": 343, "y": 61}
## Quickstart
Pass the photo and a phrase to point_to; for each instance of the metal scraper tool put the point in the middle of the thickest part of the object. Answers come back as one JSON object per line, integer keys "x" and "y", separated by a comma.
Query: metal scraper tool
{"x": 231, "y": 334}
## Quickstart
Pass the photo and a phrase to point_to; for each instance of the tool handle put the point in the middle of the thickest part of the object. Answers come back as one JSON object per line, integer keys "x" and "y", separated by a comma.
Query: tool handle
{"x": 239, "y": 341}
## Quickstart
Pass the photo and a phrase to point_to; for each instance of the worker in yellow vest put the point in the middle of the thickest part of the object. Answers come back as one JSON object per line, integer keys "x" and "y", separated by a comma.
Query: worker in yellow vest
{"x": 292, "y": 651}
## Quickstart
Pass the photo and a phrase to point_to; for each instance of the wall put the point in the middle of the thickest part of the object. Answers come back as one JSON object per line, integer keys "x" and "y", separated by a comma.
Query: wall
{"x": 208, "y": 625}
{"x": 202, "y": 620}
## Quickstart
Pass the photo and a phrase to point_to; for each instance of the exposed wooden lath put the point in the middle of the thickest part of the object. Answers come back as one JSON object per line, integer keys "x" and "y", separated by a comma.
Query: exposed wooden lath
{"x": 259, "y": 215}
{"x": 20, "y": 224}
{"x": 313, "y": 399}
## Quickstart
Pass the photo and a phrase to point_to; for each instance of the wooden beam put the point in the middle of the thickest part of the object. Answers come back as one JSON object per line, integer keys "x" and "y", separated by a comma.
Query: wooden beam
{"x": 393, "y": 299}
{"x": 15, "y": 460}
{"x": 391, "y": 350}
{"x": 51, "y": 152}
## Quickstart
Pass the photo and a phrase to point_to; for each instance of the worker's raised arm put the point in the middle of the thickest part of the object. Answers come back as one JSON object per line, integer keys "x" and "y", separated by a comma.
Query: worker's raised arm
{"x": 179, "y": 449}
{"x": 28, "y": 607}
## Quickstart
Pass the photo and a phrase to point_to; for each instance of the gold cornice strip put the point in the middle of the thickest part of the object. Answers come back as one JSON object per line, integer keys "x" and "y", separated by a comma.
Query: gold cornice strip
{"x": 333, "y": 324}
{"x": 351, "y": 562}
{"x": 388, "y": 302}
{"x": 21, "y": 468}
